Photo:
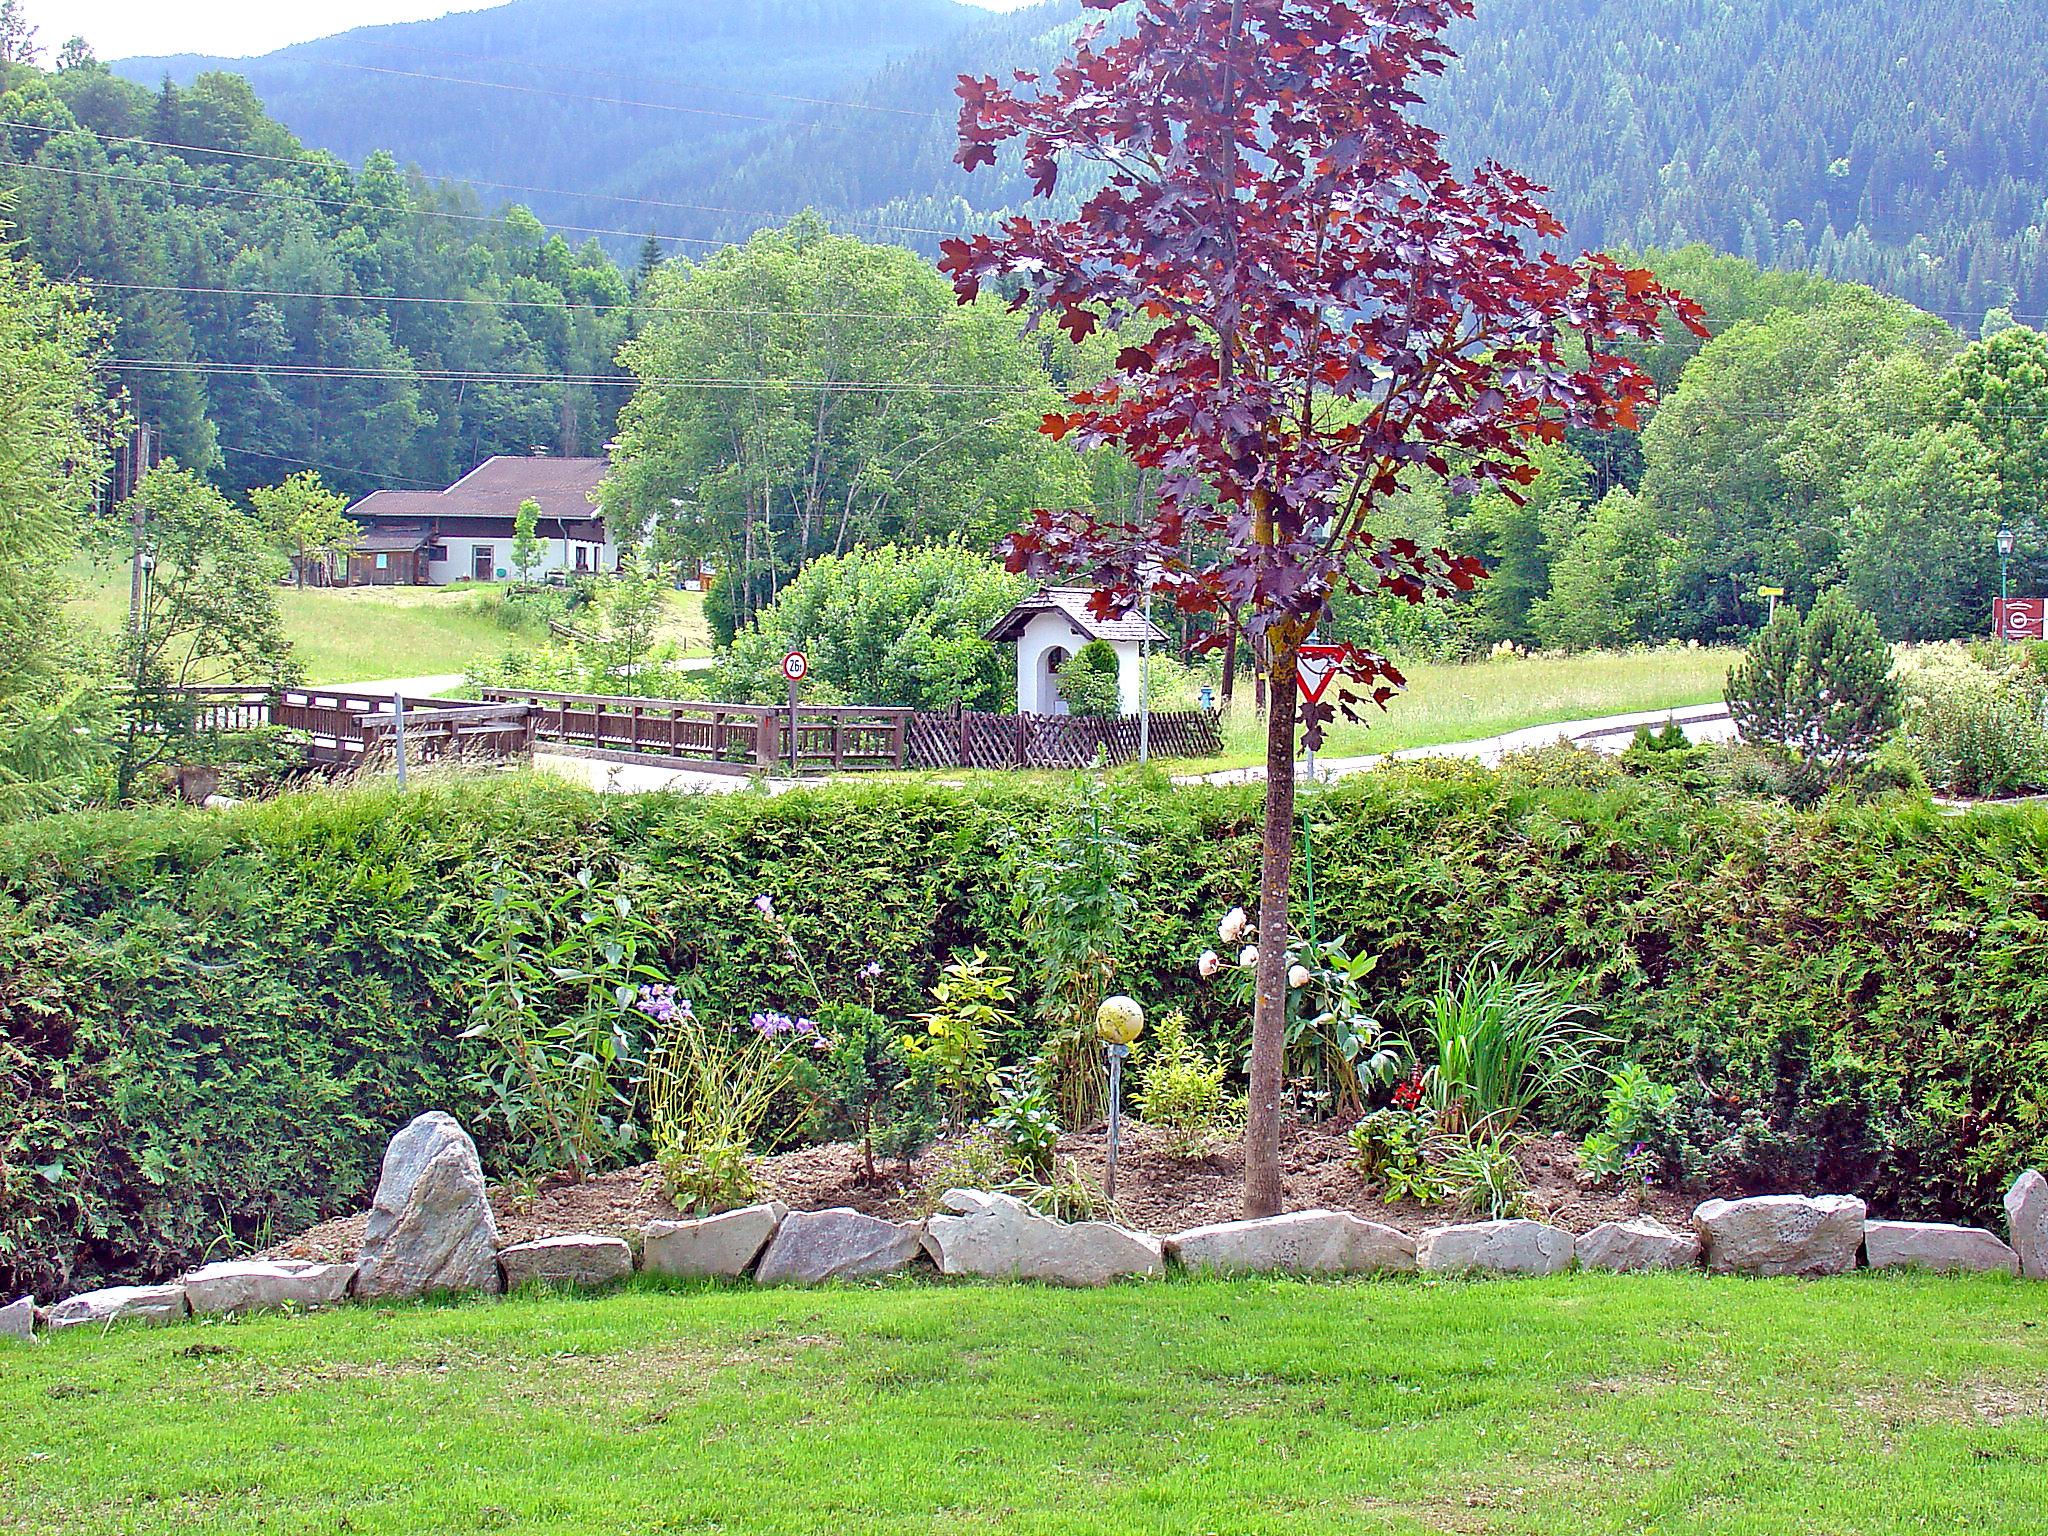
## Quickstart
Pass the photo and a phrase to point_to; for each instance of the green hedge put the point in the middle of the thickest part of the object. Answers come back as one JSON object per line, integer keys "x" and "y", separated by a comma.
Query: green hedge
{"x": 210, "y": 1022}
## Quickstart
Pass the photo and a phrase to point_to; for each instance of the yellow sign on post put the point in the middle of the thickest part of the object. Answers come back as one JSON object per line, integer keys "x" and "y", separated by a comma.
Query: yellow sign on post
{"x": 1770, "y": 591}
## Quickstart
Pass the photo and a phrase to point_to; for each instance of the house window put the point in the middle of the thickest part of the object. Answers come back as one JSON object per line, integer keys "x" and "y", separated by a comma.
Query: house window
{"x": 582, "y": 558}
{"x": 438, "y": 552}
{"x": 383, "y": 562}
{"x": 480, "y": 561}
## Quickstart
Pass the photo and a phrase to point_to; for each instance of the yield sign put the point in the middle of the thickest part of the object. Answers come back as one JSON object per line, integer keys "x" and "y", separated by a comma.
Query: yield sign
{"x": 1315, "y": 666}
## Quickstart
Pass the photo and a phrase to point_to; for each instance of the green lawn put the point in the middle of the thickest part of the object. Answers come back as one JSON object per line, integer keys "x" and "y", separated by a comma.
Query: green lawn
{"x": 1671, "y": 1404}
{"x": 1479, "y": 699}
{"x": 365, "y": 633}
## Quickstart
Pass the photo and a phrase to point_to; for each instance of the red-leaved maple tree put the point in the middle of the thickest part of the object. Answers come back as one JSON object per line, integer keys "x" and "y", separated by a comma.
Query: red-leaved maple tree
{"x": 1315, "y": 308}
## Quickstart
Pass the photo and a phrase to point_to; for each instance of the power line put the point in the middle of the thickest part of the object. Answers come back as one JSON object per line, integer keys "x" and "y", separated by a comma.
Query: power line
{"x": 229, "y": 369}
{"x": 406, "y": 481}
{"x": 302, "y": 163}
{"x": 547, "y": 304}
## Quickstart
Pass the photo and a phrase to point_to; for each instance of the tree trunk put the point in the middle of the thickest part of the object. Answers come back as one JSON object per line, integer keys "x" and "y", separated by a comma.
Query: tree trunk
{"x": 1269, "y": 1010}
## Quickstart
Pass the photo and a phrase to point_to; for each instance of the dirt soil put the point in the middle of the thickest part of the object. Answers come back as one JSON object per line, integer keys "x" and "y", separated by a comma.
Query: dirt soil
{"x": 1156, "y": 1192}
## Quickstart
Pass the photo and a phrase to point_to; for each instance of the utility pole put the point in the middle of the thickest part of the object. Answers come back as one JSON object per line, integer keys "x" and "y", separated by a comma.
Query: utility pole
{"x": 136, "y": 533}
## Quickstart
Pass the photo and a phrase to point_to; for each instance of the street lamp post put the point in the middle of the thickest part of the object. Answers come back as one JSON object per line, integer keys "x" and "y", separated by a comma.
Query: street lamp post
{"x": 2008, "y": 541}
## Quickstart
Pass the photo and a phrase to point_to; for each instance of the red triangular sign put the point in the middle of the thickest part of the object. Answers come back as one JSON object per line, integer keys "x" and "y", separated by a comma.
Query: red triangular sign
{"x": 1316, "y": 666}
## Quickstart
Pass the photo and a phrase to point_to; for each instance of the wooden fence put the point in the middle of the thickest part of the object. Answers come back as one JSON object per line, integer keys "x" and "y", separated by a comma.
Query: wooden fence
{"x": 342, "y": 728}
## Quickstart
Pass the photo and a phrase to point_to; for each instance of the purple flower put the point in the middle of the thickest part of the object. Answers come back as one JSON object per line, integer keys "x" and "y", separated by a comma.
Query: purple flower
{"x": 872, "y": 970}
{"x": 661, "y": 1004}
{"x": 795, "y": 1029}
{"x": 765, "y": 904}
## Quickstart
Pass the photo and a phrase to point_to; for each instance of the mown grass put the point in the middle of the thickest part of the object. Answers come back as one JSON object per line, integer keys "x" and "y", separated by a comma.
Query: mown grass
{"x": 1582, "y": 1404}
{"x": 366, "y": 633}
{"x": 1474, "y": 700}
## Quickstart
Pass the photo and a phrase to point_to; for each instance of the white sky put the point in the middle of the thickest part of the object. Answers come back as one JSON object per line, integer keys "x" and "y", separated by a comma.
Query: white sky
{"x": 119, "y": 29}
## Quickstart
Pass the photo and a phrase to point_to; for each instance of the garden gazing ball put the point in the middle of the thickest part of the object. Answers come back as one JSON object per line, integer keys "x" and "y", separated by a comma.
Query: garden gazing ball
{"x": 1119, "y": 1020}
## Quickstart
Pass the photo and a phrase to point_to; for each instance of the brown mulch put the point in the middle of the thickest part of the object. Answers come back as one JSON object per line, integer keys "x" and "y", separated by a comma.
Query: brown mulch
{"x": 1156, "y": 1192}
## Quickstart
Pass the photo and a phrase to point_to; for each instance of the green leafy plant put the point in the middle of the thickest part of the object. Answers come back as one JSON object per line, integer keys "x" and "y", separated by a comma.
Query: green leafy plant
{"x": 1088, "y": 682}
{"x": 1818, "y": 691}
{"x": 1390, "y": 1152}
{"x": 1026, "y": 1119}
{"x": 1976, "y": 729}
{"x": 1638, "y": 1129}
{"x": 1480, "y": 1174}
{"x": 1182, "y": 1092}
{"x": 971, "y": 1007}
{"x": 559, "y": 969}
{"x": 1496, "y": 1040}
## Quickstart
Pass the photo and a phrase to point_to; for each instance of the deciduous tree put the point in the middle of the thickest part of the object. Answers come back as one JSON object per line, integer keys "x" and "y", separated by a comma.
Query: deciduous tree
{"x": 1328, "y": 305}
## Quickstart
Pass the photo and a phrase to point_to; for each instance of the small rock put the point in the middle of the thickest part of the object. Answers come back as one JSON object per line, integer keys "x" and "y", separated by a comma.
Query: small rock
{"x": 18, "y": 1319}
{"x": 711, "y": 1247}
{"x": 1500, "y": 1247}
{"x": 1935, "y": 1245}
{"x": 245, "y": 1285}
{"x": 2026, "y": 1223}
{"x": 579, "y": 1259}
{"x": 1641, "y": 1243}
{"x": 1002, "y": 1238}
{"x": 813, "y": 1246}
{"x": 431, "y": 1227}
{"x": 1300, "y": 1242}
{"x": 1782, "y": 1234}
{"x": 147, "y": 1303}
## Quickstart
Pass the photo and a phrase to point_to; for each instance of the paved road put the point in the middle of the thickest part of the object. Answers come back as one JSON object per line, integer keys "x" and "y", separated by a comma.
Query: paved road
{"x": 1612, "y": 733}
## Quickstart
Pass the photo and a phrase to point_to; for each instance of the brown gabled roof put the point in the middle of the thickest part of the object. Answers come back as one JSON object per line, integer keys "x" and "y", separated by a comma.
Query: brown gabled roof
{"x": 495, "y": 488}
{"x": 1071, "y": 603}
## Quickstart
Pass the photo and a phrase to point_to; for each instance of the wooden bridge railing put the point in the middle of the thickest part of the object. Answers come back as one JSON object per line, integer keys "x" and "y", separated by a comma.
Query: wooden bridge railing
{"x": 728, "y": 738}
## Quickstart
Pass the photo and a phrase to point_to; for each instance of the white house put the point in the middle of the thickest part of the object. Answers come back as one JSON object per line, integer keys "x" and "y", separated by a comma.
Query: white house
{"x": 430, "y": 538}
{"x": 1049, "y": 626}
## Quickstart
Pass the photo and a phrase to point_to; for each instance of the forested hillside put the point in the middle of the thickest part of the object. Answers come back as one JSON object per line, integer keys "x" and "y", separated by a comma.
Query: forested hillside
{"x": 580, "y": 109}
{"x": 1902, "y": 146}
{"x": 275, "y": 310}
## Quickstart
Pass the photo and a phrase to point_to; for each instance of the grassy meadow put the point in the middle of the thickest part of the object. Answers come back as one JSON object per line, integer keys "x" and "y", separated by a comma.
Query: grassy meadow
{"x": 1470, "y": 701}
{"x": 358, "y": 634}
{"x": 1677, "y": 1404}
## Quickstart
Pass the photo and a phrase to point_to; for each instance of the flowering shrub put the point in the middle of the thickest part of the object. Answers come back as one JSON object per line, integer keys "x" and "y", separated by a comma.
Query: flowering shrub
{"x": 1638, "y": 1132}
{"x": 711, "y": 1089}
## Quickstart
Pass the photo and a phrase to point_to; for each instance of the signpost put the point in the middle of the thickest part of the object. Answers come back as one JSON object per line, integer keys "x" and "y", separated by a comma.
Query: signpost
{"x": 796, "y": 666}
{"x": 1315, "y": 668}
{"x": 2020, "y": 618}
{"x": 1773, "y": 593}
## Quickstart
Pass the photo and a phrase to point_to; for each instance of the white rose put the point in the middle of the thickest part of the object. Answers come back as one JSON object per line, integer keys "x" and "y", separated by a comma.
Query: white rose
{"x": 1231, "y": 929}
{"x": 1297, "y": 976}
{"x": 1209, "y": 964}
{"x": 1249, "y": 959}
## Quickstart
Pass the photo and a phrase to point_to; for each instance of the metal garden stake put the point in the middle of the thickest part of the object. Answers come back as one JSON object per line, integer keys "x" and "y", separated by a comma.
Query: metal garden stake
{"x": 1118, "y": 1023}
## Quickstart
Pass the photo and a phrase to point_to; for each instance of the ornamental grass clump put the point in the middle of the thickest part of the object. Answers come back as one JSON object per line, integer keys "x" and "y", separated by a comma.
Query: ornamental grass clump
{"x": 1497, "y": 1041}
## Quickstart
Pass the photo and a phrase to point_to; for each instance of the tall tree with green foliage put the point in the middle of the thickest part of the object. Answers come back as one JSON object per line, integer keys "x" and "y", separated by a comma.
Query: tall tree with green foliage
{"x": 54, "y": 429}
{"x": 309, "y": 523}
{"x": 527, "y": 545}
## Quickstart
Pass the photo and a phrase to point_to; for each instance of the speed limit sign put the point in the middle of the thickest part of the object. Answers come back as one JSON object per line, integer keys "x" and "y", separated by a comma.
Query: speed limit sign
{"x": 796, "y": 666}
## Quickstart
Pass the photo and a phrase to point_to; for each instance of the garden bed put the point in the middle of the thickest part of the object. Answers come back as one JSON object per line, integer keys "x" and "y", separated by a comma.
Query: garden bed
{"x": 1157, "y": 1192}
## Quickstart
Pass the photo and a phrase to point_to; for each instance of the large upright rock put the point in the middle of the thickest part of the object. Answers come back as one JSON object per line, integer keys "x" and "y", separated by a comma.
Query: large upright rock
{"x": 430, "y": 1227}
{"x": 18, "y": 1319}
{"x": 999, "y": 1237}
{"x": 2026, "y": 1223}
{"x": 1498, "y": 1247}
{"x": 1640, "y": 1243}
{"x": 121, "y": 1303}
{"x": 1300, "y": 1243}
{"x": 1935, "y": 1245}
{"x": 248, "y": 1285}
{"x": 575, "y": 1259}
{"x": 1781, "y": 1234}
{"x": 814, "y": 1246}
{"x": 721, "y": 1247}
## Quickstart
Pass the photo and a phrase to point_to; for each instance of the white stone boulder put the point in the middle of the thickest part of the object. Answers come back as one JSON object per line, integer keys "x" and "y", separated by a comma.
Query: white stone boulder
{"x": 121, "y": 1303}
{"x": 584, "y": 1259}
{"x": 431, "y": 1227}
{"x": 2026, "y": 1223}
{"x": 247, "y": 1285}
{"x": 18, "y": 1319}
{"x": 1781, "y": 1234}
{"x": 1300, "y": 1243}
{"x": 720, "y": 1247}
{"x": 1642, "y": 1242}
{"x": 1499, "y": 1247}
{"x": 814, "y": 1246}
{"x": 1935, "y": 1245}
{"x": 1002, "y": 1238}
